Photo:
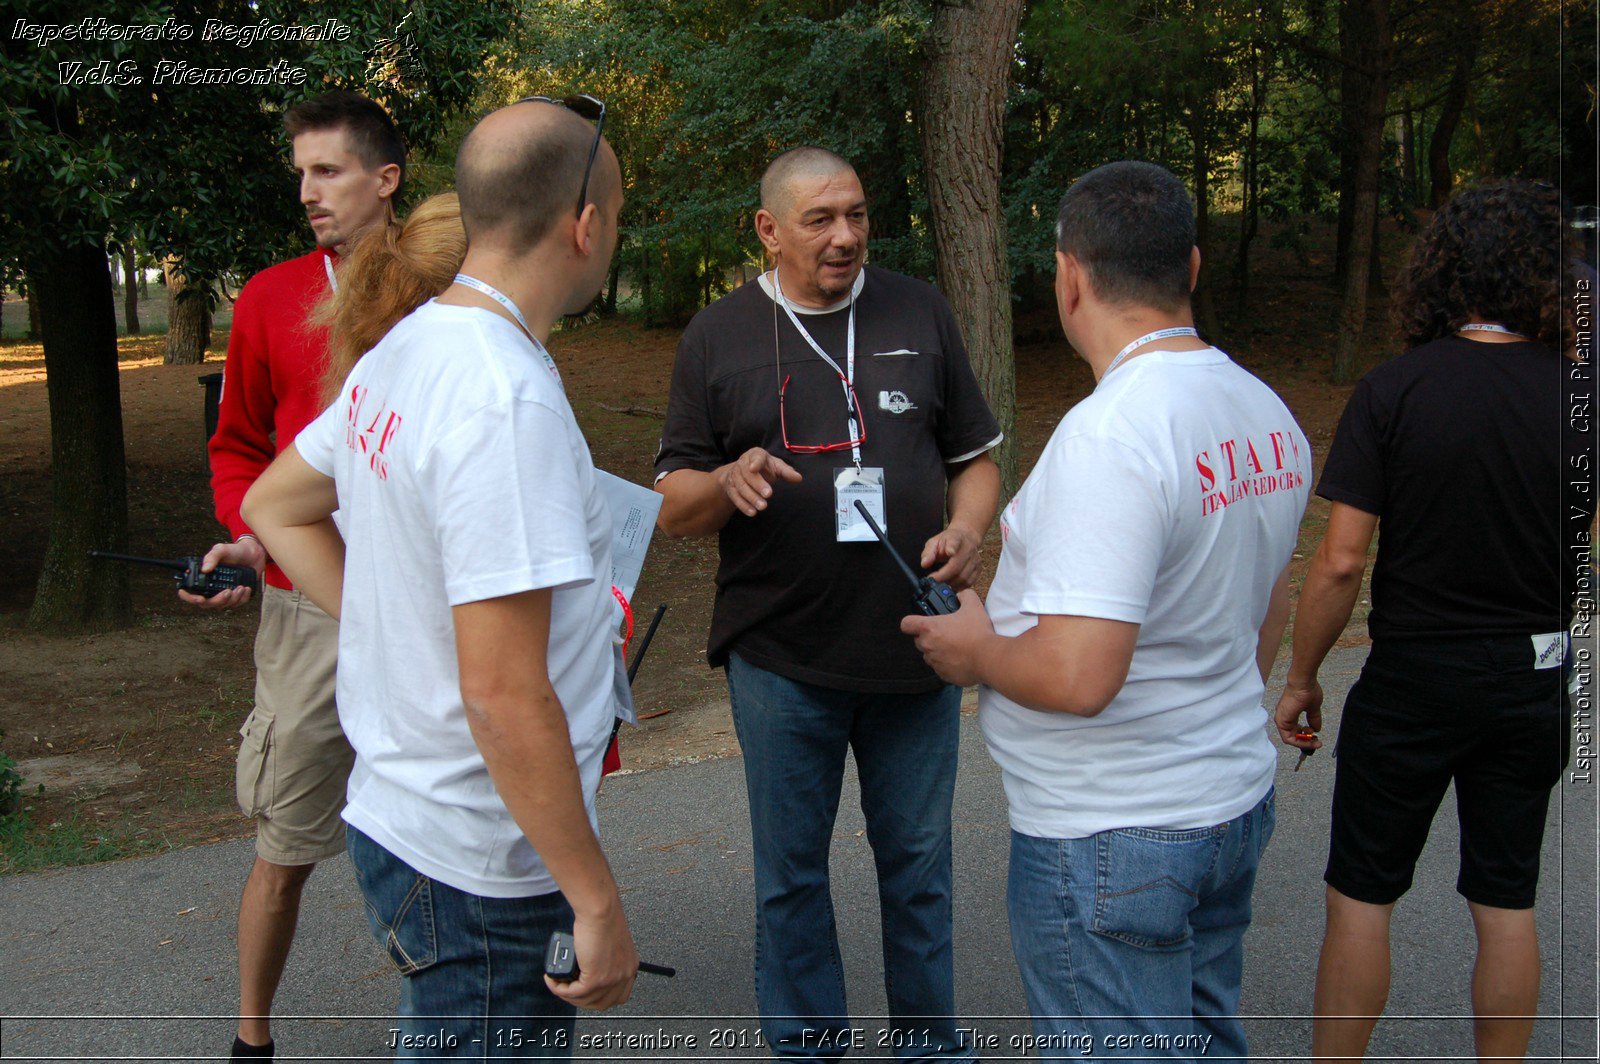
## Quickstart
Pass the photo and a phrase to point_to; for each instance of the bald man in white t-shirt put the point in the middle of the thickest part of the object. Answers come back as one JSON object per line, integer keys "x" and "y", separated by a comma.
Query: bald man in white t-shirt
{"x": 477, "y": 673}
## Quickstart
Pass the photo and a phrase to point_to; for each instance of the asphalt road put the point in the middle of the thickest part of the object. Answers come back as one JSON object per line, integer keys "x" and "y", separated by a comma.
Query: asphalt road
{"x": 134, "y": 960}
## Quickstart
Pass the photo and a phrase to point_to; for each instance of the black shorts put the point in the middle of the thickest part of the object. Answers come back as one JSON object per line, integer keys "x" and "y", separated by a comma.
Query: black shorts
{"x": 1424, "y": 713}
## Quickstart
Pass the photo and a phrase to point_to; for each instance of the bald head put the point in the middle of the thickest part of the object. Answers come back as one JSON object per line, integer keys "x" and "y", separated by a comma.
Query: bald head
{"x": 797, "y": 164}
{"x": 520, "y": 169}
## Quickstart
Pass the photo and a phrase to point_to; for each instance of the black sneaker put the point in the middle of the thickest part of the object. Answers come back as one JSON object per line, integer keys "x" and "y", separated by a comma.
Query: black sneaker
{"x": 243, "y": 1050}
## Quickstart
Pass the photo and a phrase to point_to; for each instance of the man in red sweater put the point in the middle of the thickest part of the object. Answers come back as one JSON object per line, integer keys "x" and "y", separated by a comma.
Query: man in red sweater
{"x": 294, "y": 761}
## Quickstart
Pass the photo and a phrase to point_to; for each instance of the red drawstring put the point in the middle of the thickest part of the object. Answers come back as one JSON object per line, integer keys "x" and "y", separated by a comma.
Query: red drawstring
{"x": 627, "y": 616}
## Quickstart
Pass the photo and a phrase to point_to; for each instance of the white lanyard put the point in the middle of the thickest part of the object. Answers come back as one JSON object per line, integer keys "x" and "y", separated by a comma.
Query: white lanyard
{"x": 500, "y": 297}
{"x": 846, "y": 376}
{"x": 1159, "y": 334}
{"x": 1490, "y": 327}
{"x": 327, "y": 264}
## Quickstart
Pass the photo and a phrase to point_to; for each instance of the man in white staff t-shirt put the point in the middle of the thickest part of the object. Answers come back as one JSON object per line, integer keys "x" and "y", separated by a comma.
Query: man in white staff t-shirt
{"x": 1139, "y": 602}
{"x": 477, "y": 677}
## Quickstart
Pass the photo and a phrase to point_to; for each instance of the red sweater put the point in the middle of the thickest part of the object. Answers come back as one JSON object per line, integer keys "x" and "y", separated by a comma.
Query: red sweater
{"x": 272, "y": 381}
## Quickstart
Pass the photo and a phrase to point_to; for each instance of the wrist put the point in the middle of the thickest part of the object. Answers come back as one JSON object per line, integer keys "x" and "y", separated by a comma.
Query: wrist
{"x": 1298, "y": 680}
{"x": 985, "y": 651}
{"x": 966, "y": 527}
{"x": 604, "y": 906}
{"x": 256, "y": 544}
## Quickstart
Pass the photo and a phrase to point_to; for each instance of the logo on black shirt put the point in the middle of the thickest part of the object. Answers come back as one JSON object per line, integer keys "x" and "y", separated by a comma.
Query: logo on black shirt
{"x": 895, "y": 402}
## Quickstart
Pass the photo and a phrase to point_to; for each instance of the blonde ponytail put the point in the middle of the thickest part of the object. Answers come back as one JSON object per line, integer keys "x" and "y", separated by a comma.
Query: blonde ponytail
{"x": 392, "y": 270}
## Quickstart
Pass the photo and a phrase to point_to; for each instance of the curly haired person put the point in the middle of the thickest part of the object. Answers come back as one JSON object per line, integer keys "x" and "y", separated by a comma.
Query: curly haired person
{"x": 1460, "y": 449}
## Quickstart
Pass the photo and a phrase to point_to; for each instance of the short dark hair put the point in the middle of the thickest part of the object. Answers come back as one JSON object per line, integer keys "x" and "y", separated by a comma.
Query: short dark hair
{"x": 1131, "y": 225}
{"x": 807, "y": 159}
{"x": 373, "y": 136}
{"x": 1498, "y": 252}
{"x": 521, "y": 190}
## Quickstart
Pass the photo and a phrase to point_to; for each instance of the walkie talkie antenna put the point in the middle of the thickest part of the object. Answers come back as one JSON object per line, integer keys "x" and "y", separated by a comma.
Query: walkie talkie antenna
{"x": 932, "y": 597}
{"x": 644, "y": 645}
{"x": 904, "y": 568}
{"x": 165, "y": 563}
{"x": 189, "y": 576}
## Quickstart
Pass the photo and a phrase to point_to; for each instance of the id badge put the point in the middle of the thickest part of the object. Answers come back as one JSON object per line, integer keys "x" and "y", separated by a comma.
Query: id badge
{"x": 849, "y": 485}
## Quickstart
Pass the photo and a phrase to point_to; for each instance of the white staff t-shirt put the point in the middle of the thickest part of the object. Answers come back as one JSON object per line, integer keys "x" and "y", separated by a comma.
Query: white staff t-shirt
{"x": 1169, "y": 498}
{"x": 462, "y": 476}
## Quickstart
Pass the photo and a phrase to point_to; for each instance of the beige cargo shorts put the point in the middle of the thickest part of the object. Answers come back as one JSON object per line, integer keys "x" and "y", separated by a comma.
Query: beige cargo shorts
{"x": 294, "y": 760}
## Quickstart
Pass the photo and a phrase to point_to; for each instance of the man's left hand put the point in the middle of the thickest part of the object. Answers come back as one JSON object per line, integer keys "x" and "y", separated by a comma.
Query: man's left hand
{"x": 952, "y": 644}
{"x": 958, "y": 549}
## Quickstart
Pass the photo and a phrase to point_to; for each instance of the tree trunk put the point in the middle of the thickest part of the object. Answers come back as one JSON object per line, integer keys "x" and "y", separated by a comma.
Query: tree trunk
{"x": 881, "y": 165}
{"x": 1205, "y": 307}
{"x": 643, "y": 280}
{"x": 130, "y": 291}
{"x": 1375, "y": 285}
{"x": 1250, "y": 212}
{"x": 962, "y": 99}
{"x": 188, "y": 317}
{"x": 35, "y": 328}
{"x": 1370, "y": 50}
{"x": 608, "y": 305}
{"x": 1354, "y": 87}
{"x": 88, "y": 470}
{"x": 1408, "y": 155}
{"x": 707, "y": 270}
{"x": 1450, "y": 111}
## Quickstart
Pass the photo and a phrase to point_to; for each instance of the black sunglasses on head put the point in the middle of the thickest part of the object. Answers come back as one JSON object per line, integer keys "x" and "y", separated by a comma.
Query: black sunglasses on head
{"x": 584, "y": 106}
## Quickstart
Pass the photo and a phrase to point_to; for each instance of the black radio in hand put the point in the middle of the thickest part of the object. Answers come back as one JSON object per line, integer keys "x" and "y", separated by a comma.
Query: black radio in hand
{"x": 188, "y": 576}
{"x": 561, "y": 960}
{"x": 934, "y": 599}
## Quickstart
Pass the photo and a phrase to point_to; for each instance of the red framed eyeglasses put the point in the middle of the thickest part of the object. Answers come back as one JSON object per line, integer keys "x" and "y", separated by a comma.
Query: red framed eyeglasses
{"x": 854, "y": 413}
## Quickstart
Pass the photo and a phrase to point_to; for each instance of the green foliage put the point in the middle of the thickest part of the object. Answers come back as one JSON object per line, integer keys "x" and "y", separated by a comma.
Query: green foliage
{"x": 1299, "y": 153}
{"x": 26, "y": 847}
{"x": 198, "y": 170}
{"x": 10, "y": 787}
{"x": 703, "y": 93}
{"x": 29, "y": 847}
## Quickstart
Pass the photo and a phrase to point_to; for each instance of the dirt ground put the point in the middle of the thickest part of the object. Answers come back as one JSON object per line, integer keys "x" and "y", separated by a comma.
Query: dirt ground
{"x": 132, "y": 734}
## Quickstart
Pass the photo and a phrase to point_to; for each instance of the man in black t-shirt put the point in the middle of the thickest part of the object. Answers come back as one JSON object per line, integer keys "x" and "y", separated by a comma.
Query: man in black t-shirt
{"x": 821, "y": 383}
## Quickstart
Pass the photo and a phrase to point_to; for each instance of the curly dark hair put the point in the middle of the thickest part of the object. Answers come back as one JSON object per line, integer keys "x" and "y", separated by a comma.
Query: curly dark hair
{"x": 1498, "y": 253}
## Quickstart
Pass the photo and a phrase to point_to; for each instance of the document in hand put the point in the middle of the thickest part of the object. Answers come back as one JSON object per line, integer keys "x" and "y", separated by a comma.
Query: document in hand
{"x": 633, "y": 522}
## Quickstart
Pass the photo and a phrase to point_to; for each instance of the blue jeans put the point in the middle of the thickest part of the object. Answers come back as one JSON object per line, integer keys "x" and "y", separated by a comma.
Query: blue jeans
{"x": 445, "y": 944}
{"x": 795, "y": 737}
{"x": 1131, "y": 942}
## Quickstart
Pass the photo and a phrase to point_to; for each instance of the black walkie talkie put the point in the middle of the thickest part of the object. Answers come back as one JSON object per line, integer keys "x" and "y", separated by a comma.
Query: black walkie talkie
{"x": 934, "y": 599}
{"x": 188, "y": 576}
{"x": 561, "y": 960}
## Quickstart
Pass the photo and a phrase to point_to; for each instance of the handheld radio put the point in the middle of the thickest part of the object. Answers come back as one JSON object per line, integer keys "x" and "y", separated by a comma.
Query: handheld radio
{"x": 933, "y": 598}
{"x": 188, "y": 576}
{"x": 561, "y": 961}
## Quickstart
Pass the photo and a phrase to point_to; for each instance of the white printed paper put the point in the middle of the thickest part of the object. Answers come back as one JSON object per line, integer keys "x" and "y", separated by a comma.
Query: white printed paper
{"x": 633, "y": 522}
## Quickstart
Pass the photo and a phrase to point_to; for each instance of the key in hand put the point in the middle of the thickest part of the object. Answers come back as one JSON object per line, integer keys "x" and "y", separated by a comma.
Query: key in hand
{"x": 1305, "y": 752}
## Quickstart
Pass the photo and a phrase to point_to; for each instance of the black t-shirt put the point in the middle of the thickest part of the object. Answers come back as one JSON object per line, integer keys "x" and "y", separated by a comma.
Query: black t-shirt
{"x": 1469, "y": 453}
{"x": 790, "y": 598}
